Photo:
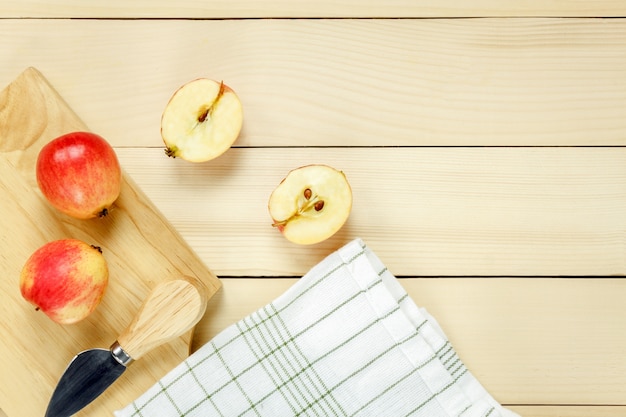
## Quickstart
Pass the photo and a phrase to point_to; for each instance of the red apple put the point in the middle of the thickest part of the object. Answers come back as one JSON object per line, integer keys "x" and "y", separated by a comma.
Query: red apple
{"x": 66, "y": 279}
{"x": 79, "y": 174}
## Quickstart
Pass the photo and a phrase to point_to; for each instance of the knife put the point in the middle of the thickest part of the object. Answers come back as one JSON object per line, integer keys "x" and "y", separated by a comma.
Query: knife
{"x": 170, "y": 310}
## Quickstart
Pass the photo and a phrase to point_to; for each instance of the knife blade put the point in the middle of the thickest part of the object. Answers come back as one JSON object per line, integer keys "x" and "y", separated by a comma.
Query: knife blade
{"x": 170, "y": 310}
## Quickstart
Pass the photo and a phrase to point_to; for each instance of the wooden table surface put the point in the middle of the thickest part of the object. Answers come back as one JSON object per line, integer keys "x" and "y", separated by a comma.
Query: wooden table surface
{"x": 485, "y": 142}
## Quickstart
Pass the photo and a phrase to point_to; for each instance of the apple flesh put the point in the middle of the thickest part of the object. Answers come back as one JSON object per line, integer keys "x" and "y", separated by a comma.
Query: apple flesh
{"x": 79, "y": 174}
{"x": 311, "y": 204}
{"x": 201, "y": 120}
{"x": 66, "y": 279}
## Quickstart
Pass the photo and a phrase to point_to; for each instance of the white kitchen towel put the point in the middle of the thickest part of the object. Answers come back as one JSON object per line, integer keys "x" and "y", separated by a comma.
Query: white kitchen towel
{"x": 344, "y": 340}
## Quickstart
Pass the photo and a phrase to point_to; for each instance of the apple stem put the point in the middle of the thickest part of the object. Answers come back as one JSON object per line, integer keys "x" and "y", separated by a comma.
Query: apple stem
{"x": 171, "y": 152}
{"x": 103, "y": 213}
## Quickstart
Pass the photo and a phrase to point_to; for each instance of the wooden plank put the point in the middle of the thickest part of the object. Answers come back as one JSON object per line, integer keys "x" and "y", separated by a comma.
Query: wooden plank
{"x": 529, "y": 341}
{"x": 343, "y": 82}
{"x": 429, "y": 211}
{"x": 308, "y": 8}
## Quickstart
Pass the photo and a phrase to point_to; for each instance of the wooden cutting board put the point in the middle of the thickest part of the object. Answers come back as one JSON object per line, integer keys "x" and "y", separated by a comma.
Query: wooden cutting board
{"x": 140, "y": 246}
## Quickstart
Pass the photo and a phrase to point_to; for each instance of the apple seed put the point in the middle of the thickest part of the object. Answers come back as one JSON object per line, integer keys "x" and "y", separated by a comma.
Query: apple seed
{"x": 308, "y": 193}
{"x": 203, "y": 114}
{"x": 319, "y": 205}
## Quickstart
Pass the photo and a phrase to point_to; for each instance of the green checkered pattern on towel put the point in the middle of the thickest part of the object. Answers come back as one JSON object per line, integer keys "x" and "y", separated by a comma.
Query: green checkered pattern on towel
{"x": 345, "y": 340}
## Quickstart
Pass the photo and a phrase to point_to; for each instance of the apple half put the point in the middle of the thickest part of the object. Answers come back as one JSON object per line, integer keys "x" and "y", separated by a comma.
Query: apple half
{"x": 201, "y": 121}
{"x": 311, "y": 203}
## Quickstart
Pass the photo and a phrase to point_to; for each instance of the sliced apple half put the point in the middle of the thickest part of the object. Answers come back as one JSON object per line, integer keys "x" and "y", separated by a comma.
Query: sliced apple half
{"x": 311, "y": 204}
{"x": 201, "y": 120}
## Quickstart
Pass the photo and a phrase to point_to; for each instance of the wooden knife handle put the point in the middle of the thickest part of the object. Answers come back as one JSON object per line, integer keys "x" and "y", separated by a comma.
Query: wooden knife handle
{"x": 170, "y": 310}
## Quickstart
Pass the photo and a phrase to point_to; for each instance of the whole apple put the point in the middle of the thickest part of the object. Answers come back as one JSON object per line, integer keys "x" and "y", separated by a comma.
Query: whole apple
{"x": 66, "y": 279}
{"x": 79, "y": 174}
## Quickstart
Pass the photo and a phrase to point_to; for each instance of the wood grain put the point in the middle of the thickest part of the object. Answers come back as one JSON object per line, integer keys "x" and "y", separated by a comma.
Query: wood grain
{"x": 181, "y": 301}
{"x": 437, "y": 82}
{"x": 140, "y": 247}
{"x": 427, "y": 211}
{"x": 310, "y": 9}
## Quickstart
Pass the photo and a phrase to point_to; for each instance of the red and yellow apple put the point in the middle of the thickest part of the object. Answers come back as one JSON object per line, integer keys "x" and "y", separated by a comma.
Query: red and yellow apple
{"x": 201, "y": 121}
{"x": 66, "y": 279}
{"x": 311, "y": 203}
{"x": 79, "y": 174}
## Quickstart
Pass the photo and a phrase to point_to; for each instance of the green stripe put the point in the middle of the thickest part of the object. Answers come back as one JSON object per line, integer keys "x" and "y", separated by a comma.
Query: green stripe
{"x": 234, "y": 379}
{"x": 305, "y": 330}
{"x": 206, "y": 394}
{"x": 371, "y": 361}
{"x": 345, "y": 342}
{"x": 319, "y": 380}
{"x": 392, "y": 386}
{"x": 465, "y": 409}
{"x": 271, "y": 363}
{"x": 460, "y": 367}
{"x": 171, "y": 400}
{"x": 453, "y": 364}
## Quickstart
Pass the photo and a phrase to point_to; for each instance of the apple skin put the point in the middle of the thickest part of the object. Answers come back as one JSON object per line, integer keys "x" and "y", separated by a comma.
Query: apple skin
{"x": 66, "y": 279}
{"x": 79, "y": 174}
